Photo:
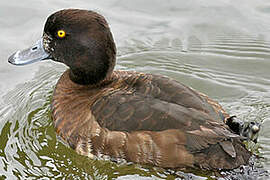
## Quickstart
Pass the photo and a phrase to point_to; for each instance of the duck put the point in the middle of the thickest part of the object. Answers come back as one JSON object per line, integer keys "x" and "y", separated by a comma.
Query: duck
{"x": 126, "y": 115}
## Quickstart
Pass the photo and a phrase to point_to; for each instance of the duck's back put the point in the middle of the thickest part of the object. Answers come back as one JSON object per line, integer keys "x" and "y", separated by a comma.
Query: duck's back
{"x": 147, "y": 119}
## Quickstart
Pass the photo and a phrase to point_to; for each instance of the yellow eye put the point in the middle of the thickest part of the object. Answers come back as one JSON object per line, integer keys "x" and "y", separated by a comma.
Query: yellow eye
{"x": 61, "y": 33}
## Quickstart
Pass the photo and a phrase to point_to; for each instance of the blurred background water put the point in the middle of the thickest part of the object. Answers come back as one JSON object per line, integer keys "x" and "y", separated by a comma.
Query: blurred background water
{"x": 221, "y": 48}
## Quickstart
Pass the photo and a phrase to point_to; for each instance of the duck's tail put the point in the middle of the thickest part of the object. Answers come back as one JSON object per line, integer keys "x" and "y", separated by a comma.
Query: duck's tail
{"x": 228, "y": 154}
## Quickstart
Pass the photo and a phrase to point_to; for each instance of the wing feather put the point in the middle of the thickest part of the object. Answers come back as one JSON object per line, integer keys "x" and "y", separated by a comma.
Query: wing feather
{"x": 159, "y": 103}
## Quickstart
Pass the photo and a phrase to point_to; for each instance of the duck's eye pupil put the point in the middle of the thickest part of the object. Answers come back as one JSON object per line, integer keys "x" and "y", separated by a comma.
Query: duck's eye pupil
{"x": 61, "y": 33}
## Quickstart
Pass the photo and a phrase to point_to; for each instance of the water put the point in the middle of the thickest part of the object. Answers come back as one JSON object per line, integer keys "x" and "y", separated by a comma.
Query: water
{"x": 221, "y": 48}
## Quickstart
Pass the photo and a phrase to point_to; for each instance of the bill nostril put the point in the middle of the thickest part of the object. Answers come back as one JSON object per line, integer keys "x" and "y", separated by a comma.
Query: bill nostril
{"x": 34, "y": 48}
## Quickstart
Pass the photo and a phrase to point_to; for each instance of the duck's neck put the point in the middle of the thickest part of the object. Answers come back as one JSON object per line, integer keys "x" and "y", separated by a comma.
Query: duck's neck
{"x": 88, "y": 80}
{"x": 93, "y": 76}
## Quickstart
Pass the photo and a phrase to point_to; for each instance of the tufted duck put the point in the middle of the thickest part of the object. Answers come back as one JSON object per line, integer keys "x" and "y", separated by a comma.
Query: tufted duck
{"x": 139, "y": 117}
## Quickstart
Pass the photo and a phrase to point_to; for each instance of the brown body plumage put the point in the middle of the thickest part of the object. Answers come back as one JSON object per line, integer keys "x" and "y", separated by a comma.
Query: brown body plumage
{"x": 147, "y": 119}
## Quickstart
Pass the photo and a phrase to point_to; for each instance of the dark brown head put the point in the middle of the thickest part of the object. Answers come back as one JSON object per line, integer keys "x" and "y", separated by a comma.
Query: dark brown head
{"x": 82, "y": 40}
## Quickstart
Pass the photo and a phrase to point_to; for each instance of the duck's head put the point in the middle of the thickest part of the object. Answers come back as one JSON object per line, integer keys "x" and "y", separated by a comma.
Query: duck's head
{"x": 80, "y": 39}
